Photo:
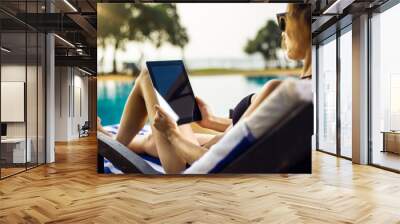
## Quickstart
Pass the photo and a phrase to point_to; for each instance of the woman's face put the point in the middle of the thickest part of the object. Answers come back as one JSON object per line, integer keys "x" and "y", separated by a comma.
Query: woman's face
{"x": 297, "y": 36}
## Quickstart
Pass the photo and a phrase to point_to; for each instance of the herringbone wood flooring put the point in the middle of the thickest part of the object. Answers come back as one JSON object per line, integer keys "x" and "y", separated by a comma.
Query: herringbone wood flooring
{"x": 70, "y": 191}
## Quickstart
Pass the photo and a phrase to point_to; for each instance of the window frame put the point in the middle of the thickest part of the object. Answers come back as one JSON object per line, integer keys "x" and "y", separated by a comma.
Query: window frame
{"x": 346, "y": 27}
{"x": 378, "y": 10}
{"x": 27, "y": 29}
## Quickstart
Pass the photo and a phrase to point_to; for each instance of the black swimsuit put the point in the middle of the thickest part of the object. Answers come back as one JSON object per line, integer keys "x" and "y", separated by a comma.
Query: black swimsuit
{"x": 240, "y": 108}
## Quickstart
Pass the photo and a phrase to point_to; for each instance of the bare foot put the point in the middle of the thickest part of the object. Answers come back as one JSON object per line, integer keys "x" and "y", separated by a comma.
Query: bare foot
{"x": 101, "y": 129}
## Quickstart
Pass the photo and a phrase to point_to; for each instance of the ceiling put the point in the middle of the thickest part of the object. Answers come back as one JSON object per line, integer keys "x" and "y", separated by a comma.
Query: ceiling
{"x": 332, "y": 15}
{"x": 73, "y": 21}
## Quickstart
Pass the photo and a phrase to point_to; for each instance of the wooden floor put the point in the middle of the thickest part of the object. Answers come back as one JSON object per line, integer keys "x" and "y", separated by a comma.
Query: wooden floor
{"x": 5, "y": 172}
{"x": 70, "y": 191}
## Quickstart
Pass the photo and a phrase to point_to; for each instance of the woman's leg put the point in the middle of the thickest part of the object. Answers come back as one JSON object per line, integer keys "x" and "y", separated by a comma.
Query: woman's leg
{"x": 170, "y": 160}
{"x": 133, "y": 117}
{"x": 146, "y": 144}
{"x": 203, "y": 138}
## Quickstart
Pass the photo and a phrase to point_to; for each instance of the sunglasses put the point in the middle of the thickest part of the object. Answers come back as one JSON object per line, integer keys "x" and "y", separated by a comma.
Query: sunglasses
{"x": 281, "y": 17}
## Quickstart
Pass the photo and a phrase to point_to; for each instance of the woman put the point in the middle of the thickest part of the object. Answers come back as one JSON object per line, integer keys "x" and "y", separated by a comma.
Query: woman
{"x": 177, "y": 146}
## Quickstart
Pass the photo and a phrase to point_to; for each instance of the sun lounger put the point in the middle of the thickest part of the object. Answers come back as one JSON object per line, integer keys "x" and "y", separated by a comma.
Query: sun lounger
{"x": 275, "y": 139}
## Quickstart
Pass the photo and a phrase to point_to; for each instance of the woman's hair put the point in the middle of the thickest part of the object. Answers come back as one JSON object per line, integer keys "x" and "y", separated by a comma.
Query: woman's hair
{"x": 298, "y": 33}
{"x": 302, "y": 11}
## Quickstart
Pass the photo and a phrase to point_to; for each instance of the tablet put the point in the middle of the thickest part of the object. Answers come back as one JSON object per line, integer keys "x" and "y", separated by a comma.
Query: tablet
{"x": 171, "y": 82}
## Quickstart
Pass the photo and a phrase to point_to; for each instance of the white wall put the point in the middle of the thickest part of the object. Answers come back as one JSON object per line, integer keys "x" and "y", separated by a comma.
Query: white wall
{"x": 62, "y": 81}
{"x": 33, "y": 126}
{"x": 71, "y": 93}
{"x": 14, "y": 73}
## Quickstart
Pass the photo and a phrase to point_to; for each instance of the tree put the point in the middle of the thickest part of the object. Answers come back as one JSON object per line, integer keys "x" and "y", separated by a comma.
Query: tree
{"x": 267, "y": 41}
{"x": 157, "y": 23}
{"x": 112, "y": 27}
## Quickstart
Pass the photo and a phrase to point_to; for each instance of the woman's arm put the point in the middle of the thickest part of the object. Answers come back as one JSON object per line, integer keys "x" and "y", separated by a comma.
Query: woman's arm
{"x": 257, "y": 99}
{"x": 217, "y": 123}
{"x": 209, "y": 120}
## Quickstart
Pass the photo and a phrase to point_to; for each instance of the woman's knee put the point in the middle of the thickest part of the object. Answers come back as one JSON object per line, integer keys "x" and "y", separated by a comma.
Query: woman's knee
{"x": 143, "y": 77}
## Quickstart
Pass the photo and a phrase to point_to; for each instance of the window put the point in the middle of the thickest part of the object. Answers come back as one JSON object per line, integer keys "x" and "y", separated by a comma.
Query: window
{"x": 22, "y": 75}
{"x": 385, "y": 89}
{"x": 346, "y": 94}
{"x": 327, "y": 96}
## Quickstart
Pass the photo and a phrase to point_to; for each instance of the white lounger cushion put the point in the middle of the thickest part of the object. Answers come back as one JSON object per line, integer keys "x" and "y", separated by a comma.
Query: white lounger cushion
{"x": 281, "y": 102}
{"x": 288, "y": 95}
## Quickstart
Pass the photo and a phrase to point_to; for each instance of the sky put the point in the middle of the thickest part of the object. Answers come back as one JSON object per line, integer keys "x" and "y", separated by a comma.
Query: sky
{"x": 215, "y": 30}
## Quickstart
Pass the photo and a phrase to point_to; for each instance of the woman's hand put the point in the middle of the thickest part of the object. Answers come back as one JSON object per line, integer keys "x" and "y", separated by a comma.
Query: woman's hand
{"x": 164, "y": 123}
{"x": 206, "y": 113}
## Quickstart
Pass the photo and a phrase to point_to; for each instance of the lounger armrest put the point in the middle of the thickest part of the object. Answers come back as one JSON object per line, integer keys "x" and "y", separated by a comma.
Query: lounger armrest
{"x": 122, "y": 157}
{"x": 286, "y": 148}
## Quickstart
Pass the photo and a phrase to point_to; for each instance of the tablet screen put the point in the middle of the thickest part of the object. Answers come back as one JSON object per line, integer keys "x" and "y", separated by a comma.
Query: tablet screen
{"x": 171, "y": 81}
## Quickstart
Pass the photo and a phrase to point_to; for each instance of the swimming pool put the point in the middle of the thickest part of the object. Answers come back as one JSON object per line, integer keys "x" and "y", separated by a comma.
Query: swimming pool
{"x": 221, "y": 92}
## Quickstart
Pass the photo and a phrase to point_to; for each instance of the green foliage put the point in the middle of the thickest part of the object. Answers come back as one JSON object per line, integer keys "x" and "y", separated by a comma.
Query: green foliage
{"x": 157, "y": 23}
{"x": 266, "y": 42}
{"x": 111, "y": 21}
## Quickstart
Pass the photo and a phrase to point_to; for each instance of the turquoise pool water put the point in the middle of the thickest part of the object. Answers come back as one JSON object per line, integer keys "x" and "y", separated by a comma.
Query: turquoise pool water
{"x": 221, "y": 92}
